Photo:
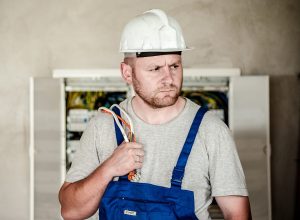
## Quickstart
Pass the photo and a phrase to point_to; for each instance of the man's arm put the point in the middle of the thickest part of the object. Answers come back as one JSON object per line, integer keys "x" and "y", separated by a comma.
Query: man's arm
{"x": 80, "y": 200}
{"x": 234, "y": 207}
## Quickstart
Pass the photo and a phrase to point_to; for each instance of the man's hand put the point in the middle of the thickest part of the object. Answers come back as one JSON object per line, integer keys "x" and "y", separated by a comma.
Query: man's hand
{"x": 125, "y": 158}
{"x": 235, "y": 207}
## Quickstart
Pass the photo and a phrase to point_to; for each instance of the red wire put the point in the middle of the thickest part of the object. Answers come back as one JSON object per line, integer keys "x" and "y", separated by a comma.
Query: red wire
{"x": 125, "y": 123}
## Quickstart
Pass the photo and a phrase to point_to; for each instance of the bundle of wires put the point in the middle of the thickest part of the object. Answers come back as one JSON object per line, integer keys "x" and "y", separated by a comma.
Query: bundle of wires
{"x": 134, "y": 175}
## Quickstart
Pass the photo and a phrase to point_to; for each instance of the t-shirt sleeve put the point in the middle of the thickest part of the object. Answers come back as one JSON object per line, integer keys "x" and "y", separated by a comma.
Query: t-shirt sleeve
{"x": 86, "y": 158}
{"x": 225, "y": 169}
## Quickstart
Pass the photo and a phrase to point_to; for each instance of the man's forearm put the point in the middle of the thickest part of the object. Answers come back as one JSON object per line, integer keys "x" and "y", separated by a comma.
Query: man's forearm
{"x": 80, "y": 200}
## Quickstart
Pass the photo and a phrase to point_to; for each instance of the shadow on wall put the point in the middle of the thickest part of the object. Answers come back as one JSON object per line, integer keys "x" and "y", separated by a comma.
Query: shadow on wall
{"x": 297, "y": 210}
{"x": 284, "y": 126}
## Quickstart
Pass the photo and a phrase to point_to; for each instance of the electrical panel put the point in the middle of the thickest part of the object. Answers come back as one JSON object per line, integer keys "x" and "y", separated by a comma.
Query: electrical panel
{"x": 242, "y": 102}
{"x": 81, "y": 106}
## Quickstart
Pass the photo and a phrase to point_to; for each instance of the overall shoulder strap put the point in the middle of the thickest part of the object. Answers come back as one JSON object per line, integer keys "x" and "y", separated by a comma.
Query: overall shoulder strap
{"x": 178, "y": 171}
{"x": 119, "y": 137}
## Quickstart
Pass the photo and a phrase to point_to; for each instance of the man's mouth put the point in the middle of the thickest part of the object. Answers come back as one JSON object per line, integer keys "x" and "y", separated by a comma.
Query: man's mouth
{"x": 167, "y": 89}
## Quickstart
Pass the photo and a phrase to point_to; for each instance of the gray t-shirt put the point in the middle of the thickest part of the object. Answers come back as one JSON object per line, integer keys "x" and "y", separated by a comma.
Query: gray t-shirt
{"x": 213, "y": 168}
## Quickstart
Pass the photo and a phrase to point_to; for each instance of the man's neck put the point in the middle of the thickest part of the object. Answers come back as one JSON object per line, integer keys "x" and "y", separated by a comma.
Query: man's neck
{"x": 157, "y": 115}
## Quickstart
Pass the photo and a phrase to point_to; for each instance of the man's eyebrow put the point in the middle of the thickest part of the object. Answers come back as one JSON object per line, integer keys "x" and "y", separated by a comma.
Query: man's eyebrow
{"x": 153, "y": 65}
{"x": 175, "y": 63}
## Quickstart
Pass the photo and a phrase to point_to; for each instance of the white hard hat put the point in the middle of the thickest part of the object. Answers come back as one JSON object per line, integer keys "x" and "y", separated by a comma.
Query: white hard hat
{"x": 152, "y": 31}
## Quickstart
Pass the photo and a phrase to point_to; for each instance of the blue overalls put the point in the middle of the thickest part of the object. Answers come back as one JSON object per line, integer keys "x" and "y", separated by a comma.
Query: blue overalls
{"x": 132, "y": 200}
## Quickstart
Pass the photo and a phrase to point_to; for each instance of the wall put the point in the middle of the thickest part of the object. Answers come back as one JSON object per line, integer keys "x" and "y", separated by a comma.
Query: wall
{"x": 260, "y": 37}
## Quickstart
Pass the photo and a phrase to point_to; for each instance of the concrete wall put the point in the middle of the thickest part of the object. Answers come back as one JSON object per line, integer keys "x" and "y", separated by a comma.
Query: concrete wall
{"x": 36, "y": 36}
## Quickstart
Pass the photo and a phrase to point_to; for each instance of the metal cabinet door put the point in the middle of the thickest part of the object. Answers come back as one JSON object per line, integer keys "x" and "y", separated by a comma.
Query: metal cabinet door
{"x": 46, "y": 152}
{"x": 249, "y": 122}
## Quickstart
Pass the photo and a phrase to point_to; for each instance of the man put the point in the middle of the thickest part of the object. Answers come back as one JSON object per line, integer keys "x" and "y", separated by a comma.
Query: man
{"x": 152, "y": 44}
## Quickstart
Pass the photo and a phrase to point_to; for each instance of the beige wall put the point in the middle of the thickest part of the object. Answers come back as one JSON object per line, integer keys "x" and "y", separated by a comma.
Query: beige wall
{"x": 36, "y": 36}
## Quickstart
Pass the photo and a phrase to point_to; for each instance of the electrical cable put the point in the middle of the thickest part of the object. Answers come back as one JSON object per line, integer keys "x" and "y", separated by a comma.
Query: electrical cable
{"x": 134, "y": 175}
{"x": 117, "y": 122}
{"x": 125, "y": 113}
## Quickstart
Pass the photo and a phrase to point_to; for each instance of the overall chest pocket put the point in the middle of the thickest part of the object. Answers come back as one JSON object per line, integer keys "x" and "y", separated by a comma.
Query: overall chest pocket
{"x": 130, "y": 208}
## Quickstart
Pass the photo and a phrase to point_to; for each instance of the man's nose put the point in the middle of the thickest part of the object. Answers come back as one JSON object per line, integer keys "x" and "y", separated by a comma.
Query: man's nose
{"x": 167, "y": 75}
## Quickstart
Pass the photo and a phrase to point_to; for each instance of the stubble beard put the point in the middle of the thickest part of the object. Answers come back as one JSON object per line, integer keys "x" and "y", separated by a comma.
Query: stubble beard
{"x": 152, "y": 99}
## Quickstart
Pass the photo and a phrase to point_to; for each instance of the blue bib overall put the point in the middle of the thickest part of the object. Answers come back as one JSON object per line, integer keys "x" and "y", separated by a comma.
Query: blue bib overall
{"x": 131, "y": 200}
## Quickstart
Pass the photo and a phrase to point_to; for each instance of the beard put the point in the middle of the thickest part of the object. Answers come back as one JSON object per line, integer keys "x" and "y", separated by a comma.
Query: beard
{"x": 157, "y": 98}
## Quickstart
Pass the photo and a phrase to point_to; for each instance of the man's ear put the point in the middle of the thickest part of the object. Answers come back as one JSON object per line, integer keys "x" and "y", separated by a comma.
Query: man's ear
{"x": 126, "y": 72}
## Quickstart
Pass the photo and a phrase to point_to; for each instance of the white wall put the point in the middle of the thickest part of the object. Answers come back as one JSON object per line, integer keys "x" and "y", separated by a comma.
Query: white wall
{"x": 36, "y": 36}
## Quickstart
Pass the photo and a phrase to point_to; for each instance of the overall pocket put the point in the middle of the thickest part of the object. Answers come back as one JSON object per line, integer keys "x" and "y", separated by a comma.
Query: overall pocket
{"x": 132, "y": 208}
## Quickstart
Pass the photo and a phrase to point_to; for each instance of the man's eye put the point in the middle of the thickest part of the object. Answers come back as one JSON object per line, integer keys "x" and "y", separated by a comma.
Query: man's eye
{"x": 155, "y": 69}
{"x": 174, "y": 67}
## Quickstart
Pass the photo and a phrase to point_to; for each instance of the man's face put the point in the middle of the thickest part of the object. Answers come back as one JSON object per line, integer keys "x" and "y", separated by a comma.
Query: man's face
{"x": 157, "y": 80}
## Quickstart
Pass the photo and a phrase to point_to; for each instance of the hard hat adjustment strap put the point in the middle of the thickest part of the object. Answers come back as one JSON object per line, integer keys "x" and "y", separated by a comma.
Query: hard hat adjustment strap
{"x": 151, "y": 54}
